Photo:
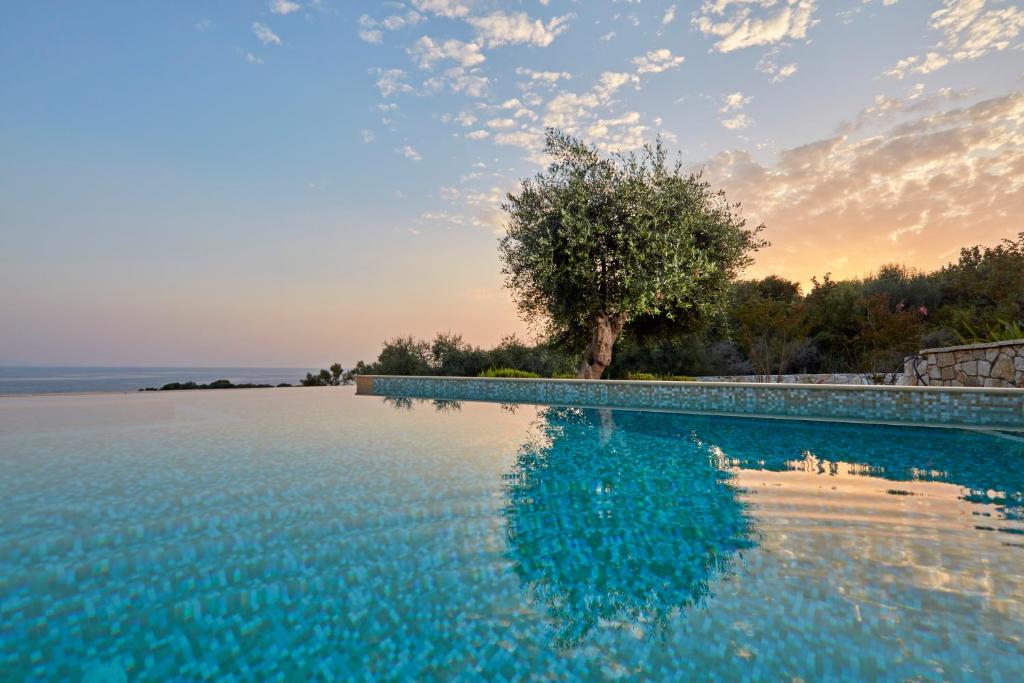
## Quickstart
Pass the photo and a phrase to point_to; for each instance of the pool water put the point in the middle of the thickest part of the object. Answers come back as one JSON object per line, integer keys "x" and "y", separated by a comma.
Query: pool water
{"x": 307, "y": 534}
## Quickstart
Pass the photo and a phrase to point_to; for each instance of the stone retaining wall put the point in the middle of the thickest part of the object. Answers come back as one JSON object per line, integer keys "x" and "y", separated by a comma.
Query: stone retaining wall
{"x": 998, "y": 364}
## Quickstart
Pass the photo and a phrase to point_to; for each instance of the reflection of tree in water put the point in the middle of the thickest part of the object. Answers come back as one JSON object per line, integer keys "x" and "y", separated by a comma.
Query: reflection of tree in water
{"x": 618, "y": 523}
{"x": 405, "y": 404}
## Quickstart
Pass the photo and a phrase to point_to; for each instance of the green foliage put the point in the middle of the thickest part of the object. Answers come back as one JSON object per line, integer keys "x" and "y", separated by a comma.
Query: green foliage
{"x": 622, "y": 237}
{"x": 769, "y": 326}
{"x": 641, "y": 377}
{"x": 1003, "y": 330}
{"x": 449, "y": 355}
{"x": 216, "y": 384}
{"x": 509, "y": 373}
{"x": 770, "y": 322}
{"x": 326, "y": 378}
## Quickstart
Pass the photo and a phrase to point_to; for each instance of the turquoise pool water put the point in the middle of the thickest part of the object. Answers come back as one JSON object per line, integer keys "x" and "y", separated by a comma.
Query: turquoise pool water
{"x": 306, "y": 534}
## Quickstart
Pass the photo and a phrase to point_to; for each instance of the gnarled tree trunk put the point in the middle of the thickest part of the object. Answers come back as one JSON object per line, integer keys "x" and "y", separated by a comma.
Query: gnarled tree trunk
{"x": 598, "y": 355}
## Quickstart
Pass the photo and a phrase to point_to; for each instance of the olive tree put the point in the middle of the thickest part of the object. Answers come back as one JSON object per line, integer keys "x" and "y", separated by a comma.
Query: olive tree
{"x": 596, "y": 241}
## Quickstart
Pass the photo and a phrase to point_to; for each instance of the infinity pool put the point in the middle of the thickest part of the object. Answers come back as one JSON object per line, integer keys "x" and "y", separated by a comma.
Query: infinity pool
{"x": 306, "y": 534}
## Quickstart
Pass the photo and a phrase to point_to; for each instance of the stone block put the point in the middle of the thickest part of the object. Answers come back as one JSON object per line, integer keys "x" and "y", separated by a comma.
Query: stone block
{"x": 991, "y": 355}
{"x": 947, "y": 373}
{"x": 944, "y": 359}
{"x": 972, "y": 382}
{"x": 1018, "y": 363}
{"x": 970, "y": 368}
{"x": 984, "y": 368}
{"x": 1003, "y": 368}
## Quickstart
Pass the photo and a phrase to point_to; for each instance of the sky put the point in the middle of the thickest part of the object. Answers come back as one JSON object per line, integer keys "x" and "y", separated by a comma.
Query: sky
{"x": 290, "y": 183}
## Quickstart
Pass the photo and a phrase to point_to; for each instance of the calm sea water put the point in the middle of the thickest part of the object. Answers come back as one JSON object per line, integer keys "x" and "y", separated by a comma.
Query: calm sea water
{"x": 62, "y": 380}
{"x": 315, "y": 535}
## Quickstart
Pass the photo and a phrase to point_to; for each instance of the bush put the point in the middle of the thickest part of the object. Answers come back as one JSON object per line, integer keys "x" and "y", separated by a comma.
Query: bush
{"x": 511, "y": 373}
{"x": 326, "y": 378}
{"x": 641, "y": 377}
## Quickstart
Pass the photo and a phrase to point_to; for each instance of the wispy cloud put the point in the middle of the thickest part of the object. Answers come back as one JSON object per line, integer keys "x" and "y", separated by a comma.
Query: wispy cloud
{"x": 669, "y": 16}
{"x": 451, "y": 9}
{"x": 657, "y": 61}
{"x": 922, "y": 178}
{"x": 264, "y": 34}
{"x": 391, "y": 82}
{"x": 776, "y": 72}
{"x": 426, "y": 52}
{"x": 409, "y": 153}
{"x": 741, "y": 24}
{"x": 284, "y": 6}
{"x": 518, "y": 28}
{"x": 970, "y": 30}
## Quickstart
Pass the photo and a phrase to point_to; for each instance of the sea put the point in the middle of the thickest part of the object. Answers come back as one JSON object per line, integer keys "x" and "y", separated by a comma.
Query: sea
{"x": 72, "y": 380}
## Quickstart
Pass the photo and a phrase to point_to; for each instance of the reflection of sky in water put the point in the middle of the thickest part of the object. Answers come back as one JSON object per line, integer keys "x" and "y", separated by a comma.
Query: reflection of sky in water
{"x": 307, "y": 533}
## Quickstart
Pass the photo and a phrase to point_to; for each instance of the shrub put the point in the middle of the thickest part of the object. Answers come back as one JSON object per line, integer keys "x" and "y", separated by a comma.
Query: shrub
{"x": 326, "y": 378}
{"x": 509, "y": 373}
{"x": 641, "y": 377}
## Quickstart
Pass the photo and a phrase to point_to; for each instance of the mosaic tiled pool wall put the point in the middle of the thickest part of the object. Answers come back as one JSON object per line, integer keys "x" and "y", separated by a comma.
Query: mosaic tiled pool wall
{"x": 935, "y": 406}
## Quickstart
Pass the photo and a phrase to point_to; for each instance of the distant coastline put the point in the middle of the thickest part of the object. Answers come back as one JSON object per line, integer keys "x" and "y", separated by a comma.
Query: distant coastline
{"x": 26, "y": 379}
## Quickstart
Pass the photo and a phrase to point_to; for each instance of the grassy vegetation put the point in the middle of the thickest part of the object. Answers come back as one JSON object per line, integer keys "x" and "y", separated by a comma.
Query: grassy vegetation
{"x": 509, "y": 373}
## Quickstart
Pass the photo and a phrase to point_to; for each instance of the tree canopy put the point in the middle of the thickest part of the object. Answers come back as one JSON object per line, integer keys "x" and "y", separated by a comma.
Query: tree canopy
{"x": 595, "y": 242}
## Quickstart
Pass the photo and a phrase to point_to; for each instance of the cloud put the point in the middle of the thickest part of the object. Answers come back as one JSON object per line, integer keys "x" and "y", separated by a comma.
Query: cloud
{"x": 737, "y": 122}
{"x": 367, "y": 135}
{"x": 409, "y": 153}
{"x": 477, "y": 135}
{"x": 501, "y": 123}
{"x": 969, "y": 30}
{"x": 611, "y": 81}
{"x": 264, "y": 34}
{"x": 284, "y": 6}
{"x": 391, "y": 82}
{"x": 740, "y": 24}
{"x": 776, "y": 72}
{"x": 460, "y": 80}
{"x": 204, "y": 25}
{"x": 669, "y": 16}
{"x": 917, "y": 185}
{"x": 443, "y": 216}
{"x": 517, "y": 28}
{"x": 372, "y": 30}
{"x": 426, "y": 52}
{"x": 657, "y": 61}
{"x": 451, "y": 9}
{"x": 916, "y": 100}
{"x": 540, "y": 79}
{"x": 734, "y": 101}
